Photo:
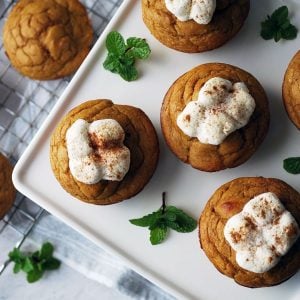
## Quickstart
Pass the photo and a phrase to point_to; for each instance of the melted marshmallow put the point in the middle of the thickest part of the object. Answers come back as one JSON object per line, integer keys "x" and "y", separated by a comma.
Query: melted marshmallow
{"x": 221, "y": 108}
{"x": 96, "y": 151}
{"x": 261, "y": 233}
{"x": 201, "y": 11}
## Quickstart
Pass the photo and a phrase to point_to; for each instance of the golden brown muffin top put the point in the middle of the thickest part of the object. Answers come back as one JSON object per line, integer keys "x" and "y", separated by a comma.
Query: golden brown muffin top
{"x": 239, "y": 145}
{"x": 140, "y": 139}
{"x": 189, "y": 36}
{"x": 291, "y": 90}
{"x": 47, "y": 39}
{"x": 229, "y": 200}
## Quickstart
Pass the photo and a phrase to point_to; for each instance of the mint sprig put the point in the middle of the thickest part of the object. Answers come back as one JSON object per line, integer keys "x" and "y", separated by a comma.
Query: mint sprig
{"x": 122, "y": 55}
{"x": 278, "y": 26}
{"x": 36, "y": 263}
{"x": 292, "y": 165}
{"x": 164, "y": 218}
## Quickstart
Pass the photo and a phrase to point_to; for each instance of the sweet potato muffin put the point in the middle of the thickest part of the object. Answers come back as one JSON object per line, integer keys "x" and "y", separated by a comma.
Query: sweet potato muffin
{"x": 47, "y": 39}
{"x": 239, "y": 145}
{"x": 199, "y": 35}
{"x": 121, "y": 142}
{"x": 291, "y": 90}
{"x": 226, "y": 203}
{"x": 7, "y": 190}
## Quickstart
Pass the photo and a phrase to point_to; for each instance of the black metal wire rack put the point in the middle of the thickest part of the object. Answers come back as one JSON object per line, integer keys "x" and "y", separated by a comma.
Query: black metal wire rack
{"x": 24, "y": 105}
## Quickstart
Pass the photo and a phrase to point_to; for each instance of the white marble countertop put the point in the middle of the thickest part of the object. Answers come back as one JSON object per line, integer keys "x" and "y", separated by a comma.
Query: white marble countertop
{"x": 65, "y": 283}
{"x": 86, "y": 272}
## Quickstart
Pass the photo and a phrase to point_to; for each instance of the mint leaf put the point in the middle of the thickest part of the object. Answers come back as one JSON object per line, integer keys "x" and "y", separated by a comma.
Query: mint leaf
{"x": 183, "y": 222}
{"x": 267, "y": 31}
{"x": 34, "y": 264}
{"x": 159, "y": 222}
{"x": 289, "y": 33}
{"x": 158, "y": 234}
{"x": 34, "y": 275}
{"x": 138, "y": 48}
{"x": 35, "y": 256}
{"x": 122, "y": 66}
{"x": 165, "y": 217}
{"x": 16, "y": 256}
{"x": 127, "y": 60}
{"x": 40, "y": 266}
{"x": 51, "y": 264}
{"x": 181, "y": 227}
{"x": 278, "y": 26}
{"x": 121, "y": 57}
{"x": 147, "y": 220}
{"x": 285, "y": 25}
{"x": 128, "y": 72}
{"x": 169, "y": 215}
{"x": 292, "y": 165}
{"x": 17, "y": 268}
{"x": 280, "y": 15}
{"x": 27, "y": 265}
{"x": 115, "y": 43}
{"x": 46, "y": 251}
{"x": 277, "y": 36}
{"x": 112, "y": 63}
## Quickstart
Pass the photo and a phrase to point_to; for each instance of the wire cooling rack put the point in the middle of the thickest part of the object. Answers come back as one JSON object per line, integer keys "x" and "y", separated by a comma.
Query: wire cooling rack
{"x": 24, "y": 105}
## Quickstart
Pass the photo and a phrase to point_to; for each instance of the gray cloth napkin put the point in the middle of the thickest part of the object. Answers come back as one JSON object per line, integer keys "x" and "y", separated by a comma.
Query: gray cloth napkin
{"x": 92, "y": 261}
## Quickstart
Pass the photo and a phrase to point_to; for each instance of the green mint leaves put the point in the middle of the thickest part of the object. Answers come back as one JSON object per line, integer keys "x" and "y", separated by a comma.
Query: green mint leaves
{"x": 115, "y": 43}
{"x": 34, "y": 264}
{"x": 292, "y": 165}
{"x": 121, "y": 56}
{"x": 278, "y": 26}
{"x": 161, "y": 220}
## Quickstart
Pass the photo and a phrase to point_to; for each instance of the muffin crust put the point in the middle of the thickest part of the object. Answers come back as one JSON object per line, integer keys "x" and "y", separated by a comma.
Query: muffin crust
{"x": 229, "y": 200}
{"x": 291, "y": 90}
{"x": 190, "y": 36}
{"x": 239, "y": 146}
{"x": 47, "y": 39}
{"x": 7, "y": 190}
{"x": 140, "y": 138}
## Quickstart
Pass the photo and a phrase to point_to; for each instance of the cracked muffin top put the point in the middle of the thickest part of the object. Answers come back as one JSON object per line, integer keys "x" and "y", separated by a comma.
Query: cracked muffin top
{"x": 47, "y": 39}
{"x": 291, "y": 90}
{"x": 194, "y": 26}
{"x": 245, "y": 126}
{"x": 226, "y": 203}
{"x": 103, "y": 153}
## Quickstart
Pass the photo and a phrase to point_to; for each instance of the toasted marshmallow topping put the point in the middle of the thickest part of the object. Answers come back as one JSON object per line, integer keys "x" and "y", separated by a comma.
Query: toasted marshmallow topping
{"x": 221, "y": 108}
{"x": 201, "y": 11}
{"x": 96, "y": 151}
{"x": 261, "y": 233}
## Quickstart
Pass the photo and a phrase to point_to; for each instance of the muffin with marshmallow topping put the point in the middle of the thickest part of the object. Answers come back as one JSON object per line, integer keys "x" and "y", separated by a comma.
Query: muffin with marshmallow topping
{"x": 194, "y": 26}
{"x": 103, "y": 153}
{"x": 215, "y": 117}
{"x": 249, "y": 230}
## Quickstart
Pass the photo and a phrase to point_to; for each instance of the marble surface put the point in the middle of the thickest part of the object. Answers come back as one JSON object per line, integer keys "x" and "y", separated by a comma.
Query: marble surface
{"x": 65, "y": 283}
{"x": 87, "y": 271}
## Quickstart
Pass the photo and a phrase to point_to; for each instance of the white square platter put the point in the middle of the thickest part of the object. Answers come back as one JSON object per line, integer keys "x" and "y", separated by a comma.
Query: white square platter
{"x": 178, "y": 265}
